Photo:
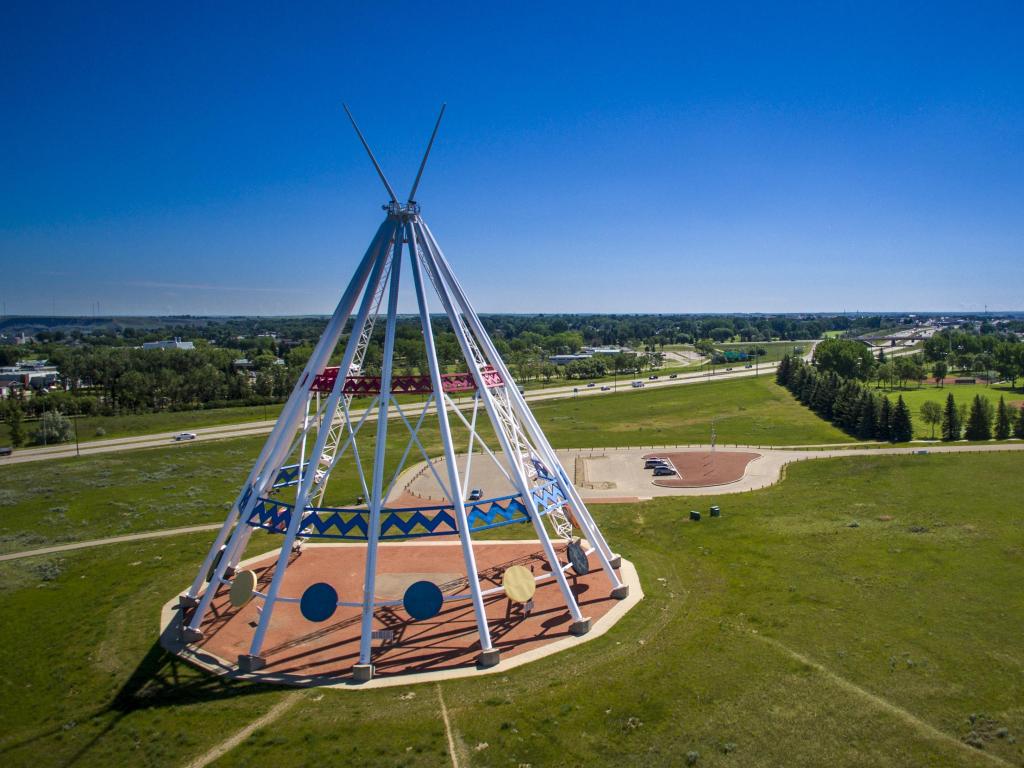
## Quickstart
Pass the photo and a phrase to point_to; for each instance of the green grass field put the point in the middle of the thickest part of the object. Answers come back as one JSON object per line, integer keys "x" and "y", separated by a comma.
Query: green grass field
{"x": 915, "y": 397}
{"x": 125, "y": 492}
{"x": 775, "y": 350}
{"x": 775, "y": 635}
{"x": 753, "y": 411}
{"x": 129, "y": 425}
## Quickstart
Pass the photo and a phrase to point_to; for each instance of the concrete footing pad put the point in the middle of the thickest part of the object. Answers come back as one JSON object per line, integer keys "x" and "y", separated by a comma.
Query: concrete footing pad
{"x": 362, "y": 673}
{"x": 190, "y": 635}
{"x": 580, "y": 627}
{"x": 488, "y": 658}
{"x": 249, "y": 663}
{"x": 621, "y": 592}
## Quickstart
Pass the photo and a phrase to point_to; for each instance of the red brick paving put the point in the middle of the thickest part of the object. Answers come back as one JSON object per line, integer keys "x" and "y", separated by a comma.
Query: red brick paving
{"x": 700, "y": 468}
{"x": 295, "y": 646}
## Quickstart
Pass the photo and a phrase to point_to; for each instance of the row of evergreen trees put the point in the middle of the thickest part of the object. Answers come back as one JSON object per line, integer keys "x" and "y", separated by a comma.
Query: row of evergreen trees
{"x": 983, "y": 422}
{"x": 859, "y": 411}
{"x": 847, "y": 403}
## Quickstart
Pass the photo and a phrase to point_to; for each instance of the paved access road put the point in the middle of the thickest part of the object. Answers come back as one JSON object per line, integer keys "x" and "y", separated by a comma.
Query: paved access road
{"x": 164, "y": 439}
{"x": 248, "y": 429}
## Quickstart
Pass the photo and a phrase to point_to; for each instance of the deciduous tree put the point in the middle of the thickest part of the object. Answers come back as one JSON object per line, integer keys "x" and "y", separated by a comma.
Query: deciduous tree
{"x": 931, "y": 414}
{"x": 844, "y": 357}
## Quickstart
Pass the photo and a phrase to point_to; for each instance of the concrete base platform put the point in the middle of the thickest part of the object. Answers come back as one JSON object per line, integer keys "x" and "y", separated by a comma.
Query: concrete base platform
{"x": 299, "y": 652}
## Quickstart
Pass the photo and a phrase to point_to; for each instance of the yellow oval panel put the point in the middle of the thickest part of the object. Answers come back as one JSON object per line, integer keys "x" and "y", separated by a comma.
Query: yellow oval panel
{"x": 518, "y": 584}
{"x": 242, "y": 588}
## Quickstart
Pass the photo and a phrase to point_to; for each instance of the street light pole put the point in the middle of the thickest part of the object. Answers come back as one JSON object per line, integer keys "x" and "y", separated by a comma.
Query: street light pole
{"x": 78, "y": 450}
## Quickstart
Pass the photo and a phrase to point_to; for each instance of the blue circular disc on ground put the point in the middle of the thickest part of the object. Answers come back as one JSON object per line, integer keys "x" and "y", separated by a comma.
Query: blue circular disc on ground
{"x": 319, "y": 602}
{"x": 423, "y": 600}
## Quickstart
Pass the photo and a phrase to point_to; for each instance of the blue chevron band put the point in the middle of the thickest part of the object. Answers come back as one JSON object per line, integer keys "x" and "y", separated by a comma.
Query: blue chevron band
{"x": 404, "y": 523}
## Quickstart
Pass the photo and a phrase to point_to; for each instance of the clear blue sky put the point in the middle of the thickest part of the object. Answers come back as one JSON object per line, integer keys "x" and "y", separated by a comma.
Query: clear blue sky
{"x": 194, "y": 158}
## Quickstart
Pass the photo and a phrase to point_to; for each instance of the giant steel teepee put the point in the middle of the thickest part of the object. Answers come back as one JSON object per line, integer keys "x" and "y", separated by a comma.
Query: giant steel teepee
{"x": 318, "y": 432}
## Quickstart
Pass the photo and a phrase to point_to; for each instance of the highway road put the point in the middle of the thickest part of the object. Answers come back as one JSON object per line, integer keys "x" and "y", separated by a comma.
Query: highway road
{"x": 249, "y": 429}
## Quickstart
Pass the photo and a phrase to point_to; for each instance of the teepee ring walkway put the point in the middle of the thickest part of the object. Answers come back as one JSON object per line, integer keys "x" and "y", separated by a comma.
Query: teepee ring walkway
{"x": 295, "y": 600}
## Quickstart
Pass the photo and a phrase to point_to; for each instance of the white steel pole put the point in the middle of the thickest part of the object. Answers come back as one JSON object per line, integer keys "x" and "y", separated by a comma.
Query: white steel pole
{"x": 285, "y": 426}
{"x": 455, "y": 486}
{"x": 253, "y": 659}
{"x": 594, "y": 535}
{"x": 376, "y": 501}
{"x": 511, "y": 452}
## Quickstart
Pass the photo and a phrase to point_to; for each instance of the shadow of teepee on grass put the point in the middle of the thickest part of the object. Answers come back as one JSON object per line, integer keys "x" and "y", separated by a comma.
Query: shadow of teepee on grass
{"x": 160, "y": 679}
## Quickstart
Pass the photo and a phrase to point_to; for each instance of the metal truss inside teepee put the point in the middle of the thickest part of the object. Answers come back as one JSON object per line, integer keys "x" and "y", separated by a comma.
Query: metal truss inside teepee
{"x": 369, "y": 423}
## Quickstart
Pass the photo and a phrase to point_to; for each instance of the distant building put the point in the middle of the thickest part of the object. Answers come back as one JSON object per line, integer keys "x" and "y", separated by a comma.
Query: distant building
{"x": 566, "y": 359}
{"x": 37, "y": 374}
{"x": 607, "y": 351}
{"x": 175, "y": 343}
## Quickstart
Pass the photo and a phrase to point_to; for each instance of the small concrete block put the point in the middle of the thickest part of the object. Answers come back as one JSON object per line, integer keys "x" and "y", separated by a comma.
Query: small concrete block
{"x": 580, "y": 627}
{"x": 190, "y": 635}
{"x": 621, "y": 592}
{"x": 362, "y": 673}
{"x": 616, "y": 561}
{"x": 249, "y": 663}
{"x": 488, "y": 658}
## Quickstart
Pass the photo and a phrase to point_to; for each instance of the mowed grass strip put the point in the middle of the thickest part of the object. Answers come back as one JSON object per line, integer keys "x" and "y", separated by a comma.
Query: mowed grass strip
{"x": 919, "y": 605}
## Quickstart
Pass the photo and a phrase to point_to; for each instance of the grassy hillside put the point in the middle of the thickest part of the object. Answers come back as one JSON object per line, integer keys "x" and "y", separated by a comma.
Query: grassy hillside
{"x": 776, "y": 635}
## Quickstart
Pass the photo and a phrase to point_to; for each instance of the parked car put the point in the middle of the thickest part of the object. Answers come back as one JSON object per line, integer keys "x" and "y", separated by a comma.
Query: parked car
{"x": 655, "y": 462}
{"x": 663, "y": 470}
{"x": 605, "y": 389}
{"x": 476, "y": 494}
{"x": 185, "y": 436}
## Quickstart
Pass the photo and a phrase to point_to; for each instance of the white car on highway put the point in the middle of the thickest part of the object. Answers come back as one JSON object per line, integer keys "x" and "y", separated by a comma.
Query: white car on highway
{"x": 184, "y": 436}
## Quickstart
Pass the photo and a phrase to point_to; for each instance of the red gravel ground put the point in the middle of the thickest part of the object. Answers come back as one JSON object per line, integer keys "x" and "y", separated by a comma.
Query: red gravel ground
{"x": 295, "y": 646}
{"x": 702, "y": 468}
